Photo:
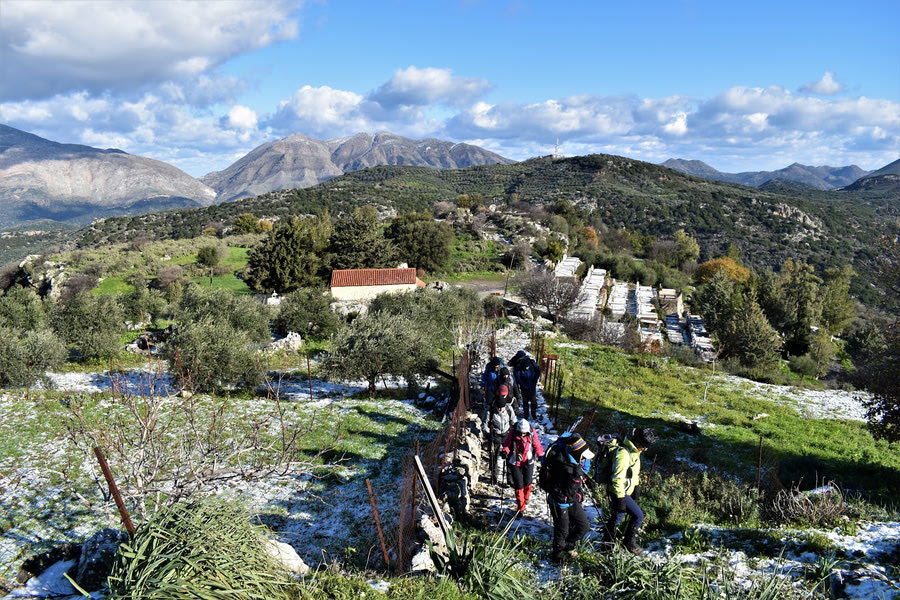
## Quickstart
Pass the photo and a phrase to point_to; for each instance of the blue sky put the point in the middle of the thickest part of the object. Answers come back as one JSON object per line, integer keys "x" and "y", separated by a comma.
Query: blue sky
{"x": 740, "y": 86}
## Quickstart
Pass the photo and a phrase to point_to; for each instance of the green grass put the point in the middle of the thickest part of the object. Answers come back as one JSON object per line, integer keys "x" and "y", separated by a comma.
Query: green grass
{"x": 663, "y": 395}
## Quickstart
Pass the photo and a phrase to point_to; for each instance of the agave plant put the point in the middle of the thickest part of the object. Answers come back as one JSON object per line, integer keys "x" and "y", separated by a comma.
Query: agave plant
{"x": 487, "y": 564}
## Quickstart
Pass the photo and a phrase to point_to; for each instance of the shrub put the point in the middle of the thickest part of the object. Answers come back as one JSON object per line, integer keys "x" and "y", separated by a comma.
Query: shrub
{"x": 25, "y": 356}
{"x": 803, "y": 365}
{"x": 90, "y": 323}
{"x": 488, "y": 565}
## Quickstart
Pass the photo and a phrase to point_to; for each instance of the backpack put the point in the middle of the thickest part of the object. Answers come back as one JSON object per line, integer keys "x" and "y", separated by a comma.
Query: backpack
{"x": 545, "y": 475}
{"x": 607, "y": 447}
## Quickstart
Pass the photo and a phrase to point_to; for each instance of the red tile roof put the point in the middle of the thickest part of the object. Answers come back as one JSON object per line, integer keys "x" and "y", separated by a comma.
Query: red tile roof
{"x": 360, "y": 277}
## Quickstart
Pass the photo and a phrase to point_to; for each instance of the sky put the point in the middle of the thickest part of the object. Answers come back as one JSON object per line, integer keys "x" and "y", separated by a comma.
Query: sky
{"x": 198, "y": 84}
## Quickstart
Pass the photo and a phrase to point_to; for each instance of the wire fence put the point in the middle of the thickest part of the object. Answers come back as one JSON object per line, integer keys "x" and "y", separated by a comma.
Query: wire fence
{"x": 434, "y": 456}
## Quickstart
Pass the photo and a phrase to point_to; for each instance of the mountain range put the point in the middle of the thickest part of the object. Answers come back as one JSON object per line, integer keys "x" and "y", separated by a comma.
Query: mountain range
{"x": 817, "y": 178}
{"x": 42, "y": 179}
{"x": 46, "y": 181}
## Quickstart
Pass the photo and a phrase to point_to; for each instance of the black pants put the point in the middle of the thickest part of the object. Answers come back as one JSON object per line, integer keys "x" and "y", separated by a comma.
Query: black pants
{"x": 529, "y": 403}
{"x": 521, "y": 476}
{"x": 569, "y": 525}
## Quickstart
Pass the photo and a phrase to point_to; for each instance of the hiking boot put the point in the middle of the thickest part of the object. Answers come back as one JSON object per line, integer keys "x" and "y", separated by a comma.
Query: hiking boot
{"x": 631, "y": 543}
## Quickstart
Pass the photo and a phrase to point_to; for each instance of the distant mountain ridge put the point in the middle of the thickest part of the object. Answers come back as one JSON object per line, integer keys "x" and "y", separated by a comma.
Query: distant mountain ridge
{"x": 299, "y": 161}
{"x": 817, "y": 178}
{"x": 42, "y": 179}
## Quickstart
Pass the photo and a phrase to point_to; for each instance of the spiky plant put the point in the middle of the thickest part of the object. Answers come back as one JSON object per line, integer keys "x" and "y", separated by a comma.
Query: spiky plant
{"x": 202, "y": 550}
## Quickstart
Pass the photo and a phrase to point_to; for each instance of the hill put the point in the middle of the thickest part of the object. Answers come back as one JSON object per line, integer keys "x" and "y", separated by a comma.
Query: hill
{"x": 42, "y": 179}
{"x": 819, "y": 178}
{"x": 298, "y": 161}
{"x": 823, "y": 228}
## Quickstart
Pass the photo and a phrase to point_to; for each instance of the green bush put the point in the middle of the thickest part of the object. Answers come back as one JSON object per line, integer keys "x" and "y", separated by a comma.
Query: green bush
{"x": 803, "y": 365}
{"x": 26, "y": 356}
{"x": 209, "y": 355}
{"x": 307, "y": 311}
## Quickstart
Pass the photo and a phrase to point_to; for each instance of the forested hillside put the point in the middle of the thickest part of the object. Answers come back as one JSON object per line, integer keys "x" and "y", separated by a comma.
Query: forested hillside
{"x": 824, "y": 229}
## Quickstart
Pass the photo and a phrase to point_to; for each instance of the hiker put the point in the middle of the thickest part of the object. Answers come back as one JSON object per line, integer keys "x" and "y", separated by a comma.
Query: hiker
{"x": 501, "y": 418}
{"x": 566, "y": 463}
{"x": 506, "y": 378}
{"x": 624, "y": 489}
{"x": 490, "y": 379}
{"x": 519, "y": 450}
{"x": 526, "y": 373}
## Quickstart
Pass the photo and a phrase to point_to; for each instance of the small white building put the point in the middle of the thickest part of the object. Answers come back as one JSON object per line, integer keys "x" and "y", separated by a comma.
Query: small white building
{"x": 365, "y": 284}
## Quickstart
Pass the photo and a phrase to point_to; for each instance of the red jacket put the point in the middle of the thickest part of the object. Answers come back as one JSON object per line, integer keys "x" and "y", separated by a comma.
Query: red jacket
{"x": 522, "y": 450}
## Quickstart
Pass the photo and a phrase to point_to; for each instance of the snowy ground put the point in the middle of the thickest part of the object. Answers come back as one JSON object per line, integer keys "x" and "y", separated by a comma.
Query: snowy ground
{"x": 334, "y": 521}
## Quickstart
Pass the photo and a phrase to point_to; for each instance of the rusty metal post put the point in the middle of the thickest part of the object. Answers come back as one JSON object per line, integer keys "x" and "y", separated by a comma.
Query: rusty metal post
{"x": 309, "y": 376}
{"x": 387, "y": 560}
{"x": 114, "y": 491}
{"x": 378, "y": 366}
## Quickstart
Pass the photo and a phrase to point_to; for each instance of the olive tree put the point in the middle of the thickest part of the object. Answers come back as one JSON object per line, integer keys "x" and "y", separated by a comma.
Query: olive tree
{"x": 379, "y": 344}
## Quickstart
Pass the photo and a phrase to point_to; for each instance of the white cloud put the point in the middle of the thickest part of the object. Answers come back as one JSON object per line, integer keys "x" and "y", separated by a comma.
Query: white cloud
{"x": 416, "y": 87}
{"x": 242, "y": 117}
{"x": 50, "y": 48}
{"x": 827, "y": 86}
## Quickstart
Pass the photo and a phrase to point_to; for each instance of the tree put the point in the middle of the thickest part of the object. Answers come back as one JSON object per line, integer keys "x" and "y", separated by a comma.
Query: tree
{"x": 207, "y": 354}
{"x": 556, "y": 295}
{"x": 838, "y": 309}
{"x": 27, "y": 355}
{"x": 209, "y": 256}
{"x": 379, "y": 344}
{"x": 357, "y": 243}
{"x": 307, "y": 311}
{"x": 800, "y": 305}
{"x": 421, "y": 241}
{"x": 21, "y": 307}
{"x": 246, "y": 223}
{"x": 879, "y": 373}
{"x": 436, "y": 314}
{"x": 821, "y": 351}
{"x": 688, "y": 248}
{"x": 290, "y": 257}
{"x": 716, "y": 300}
{"x": 750, "y": 338}
{"x": 733, "y": 270}
{"x": 90, "y": 323}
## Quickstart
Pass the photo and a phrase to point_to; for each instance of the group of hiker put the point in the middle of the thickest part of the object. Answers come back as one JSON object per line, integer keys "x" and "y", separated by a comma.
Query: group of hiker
{"x": 565, "y": 468}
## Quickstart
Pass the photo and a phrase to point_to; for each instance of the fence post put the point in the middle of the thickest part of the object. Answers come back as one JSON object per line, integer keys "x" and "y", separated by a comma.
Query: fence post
{"x": 387, "y": 560}
{"x": 114, "y": 491}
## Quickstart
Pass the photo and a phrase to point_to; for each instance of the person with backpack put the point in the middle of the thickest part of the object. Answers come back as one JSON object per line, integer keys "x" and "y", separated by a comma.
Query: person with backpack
{"x": 490, "y": 379}
{"x": 562, "y": 476}
{"x": 526, "y": 372}
{"x": 520, "y": 450}
{"x": 500, "y": 420}
{"x": 624, "y": 489}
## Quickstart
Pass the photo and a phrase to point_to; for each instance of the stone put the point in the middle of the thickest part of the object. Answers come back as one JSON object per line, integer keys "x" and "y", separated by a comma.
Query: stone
{"x": 97, "y": 555}
{"x": 286, "y": 556}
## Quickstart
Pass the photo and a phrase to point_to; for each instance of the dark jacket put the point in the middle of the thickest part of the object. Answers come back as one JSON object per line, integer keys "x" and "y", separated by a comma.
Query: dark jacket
{"x": 566, "y": 476}
{"x": 527, "y": 373}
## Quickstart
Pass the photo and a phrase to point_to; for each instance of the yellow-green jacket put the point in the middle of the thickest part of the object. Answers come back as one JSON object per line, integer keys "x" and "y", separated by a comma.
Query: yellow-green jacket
{"x": 626, "y": 470}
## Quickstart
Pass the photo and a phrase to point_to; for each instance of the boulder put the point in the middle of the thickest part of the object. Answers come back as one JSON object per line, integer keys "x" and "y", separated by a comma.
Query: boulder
{"x": 96, "y": 560}
{"x": 287, "y": 557}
